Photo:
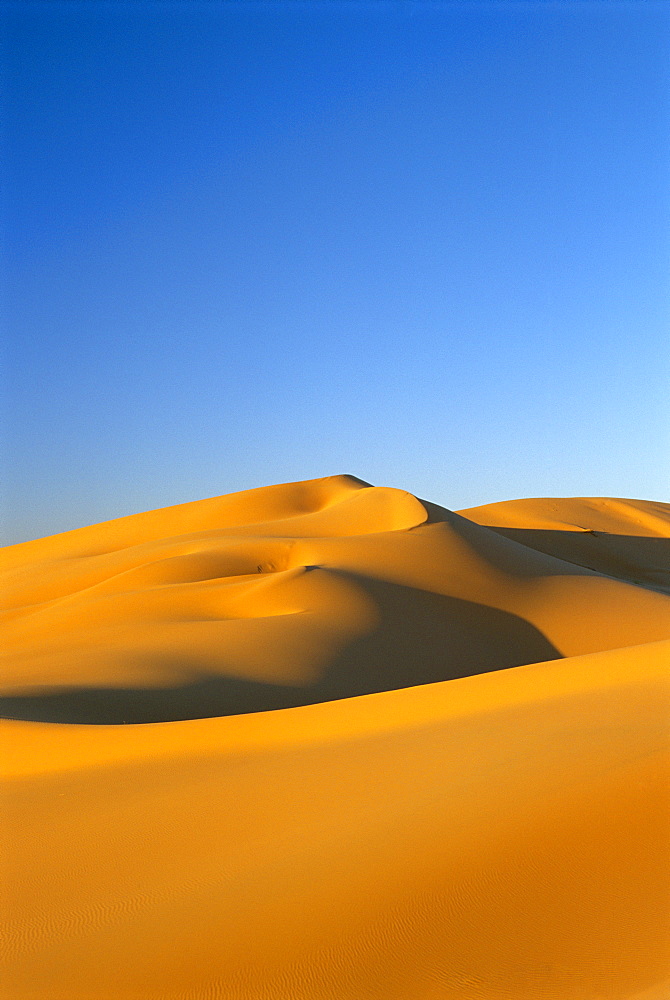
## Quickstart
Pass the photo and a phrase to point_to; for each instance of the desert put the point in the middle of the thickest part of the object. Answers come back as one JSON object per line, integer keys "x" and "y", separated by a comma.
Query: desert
{"x": 335, "y": 500}
{"x": 329, "y": 741}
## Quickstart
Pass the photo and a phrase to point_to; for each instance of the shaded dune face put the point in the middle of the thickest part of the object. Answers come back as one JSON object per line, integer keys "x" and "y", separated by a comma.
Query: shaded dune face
{"x": 418, "y": 638}
{"x": 625, "y": 539}
{"x": 348, "y": 796}
{"x": 343, "y": 590}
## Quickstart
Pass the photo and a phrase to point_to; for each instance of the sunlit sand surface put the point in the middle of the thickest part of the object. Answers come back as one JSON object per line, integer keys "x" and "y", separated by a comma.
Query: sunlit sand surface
{"x": 324, "y": 741}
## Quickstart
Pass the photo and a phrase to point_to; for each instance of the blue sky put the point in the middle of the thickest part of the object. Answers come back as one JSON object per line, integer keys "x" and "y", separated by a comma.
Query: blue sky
{"x": 248, "y": 243}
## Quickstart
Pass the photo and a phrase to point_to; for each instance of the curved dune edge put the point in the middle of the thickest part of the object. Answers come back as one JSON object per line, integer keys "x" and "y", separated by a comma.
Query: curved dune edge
{"x": 39, "y": 748}
{"x": 497, "y": 836}
{"x": 383, "y": 751}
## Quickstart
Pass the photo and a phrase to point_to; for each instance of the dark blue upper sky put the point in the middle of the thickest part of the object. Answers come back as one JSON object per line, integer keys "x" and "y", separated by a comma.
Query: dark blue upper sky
{"x": 425, "y": 243}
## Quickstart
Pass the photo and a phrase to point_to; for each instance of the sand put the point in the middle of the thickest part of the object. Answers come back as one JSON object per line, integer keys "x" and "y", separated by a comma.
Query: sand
{"x": 328, "y": 741}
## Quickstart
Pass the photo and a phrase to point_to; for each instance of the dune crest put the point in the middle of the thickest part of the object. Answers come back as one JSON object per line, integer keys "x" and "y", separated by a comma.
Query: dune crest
{"x": 268, "y": 746}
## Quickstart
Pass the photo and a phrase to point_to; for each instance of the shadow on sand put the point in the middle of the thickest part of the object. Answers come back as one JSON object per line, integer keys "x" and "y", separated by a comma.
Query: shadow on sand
{"x": 421, "y": 637}
{"x": 635, "y": 559}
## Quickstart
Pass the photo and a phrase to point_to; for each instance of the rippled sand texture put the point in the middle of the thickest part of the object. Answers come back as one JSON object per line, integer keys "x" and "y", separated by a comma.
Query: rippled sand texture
{"x": 329, "y": 786}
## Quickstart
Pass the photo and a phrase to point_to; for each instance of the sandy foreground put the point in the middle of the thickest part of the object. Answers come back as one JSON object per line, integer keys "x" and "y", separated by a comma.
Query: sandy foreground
{"x": 327, "y": 741}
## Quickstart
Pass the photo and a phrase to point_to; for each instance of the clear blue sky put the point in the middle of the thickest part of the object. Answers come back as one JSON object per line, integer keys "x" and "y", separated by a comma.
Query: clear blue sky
{"x": 248, "y": 243}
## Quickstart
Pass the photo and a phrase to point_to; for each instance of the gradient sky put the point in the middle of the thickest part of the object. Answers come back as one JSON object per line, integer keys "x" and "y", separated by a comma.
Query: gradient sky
{"x": 247, "y": 243}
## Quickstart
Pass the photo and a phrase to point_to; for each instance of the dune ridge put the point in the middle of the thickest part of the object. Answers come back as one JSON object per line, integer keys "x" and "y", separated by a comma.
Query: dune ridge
{"x": 345, "y": 590}
{"x": 327, "y": 741}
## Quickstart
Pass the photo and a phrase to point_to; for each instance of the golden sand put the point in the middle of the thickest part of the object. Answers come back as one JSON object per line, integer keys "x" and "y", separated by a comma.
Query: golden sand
{"x": 330, "y": 784}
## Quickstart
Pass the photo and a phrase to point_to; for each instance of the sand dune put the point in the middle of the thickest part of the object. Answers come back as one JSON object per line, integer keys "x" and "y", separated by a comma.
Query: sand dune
{"x": 332, "y": 786}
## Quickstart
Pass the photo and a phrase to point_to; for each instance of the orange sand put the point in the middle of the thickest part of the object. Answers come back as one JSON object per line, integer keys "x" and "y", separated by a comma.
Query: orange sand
{"x": 332, "y": 788}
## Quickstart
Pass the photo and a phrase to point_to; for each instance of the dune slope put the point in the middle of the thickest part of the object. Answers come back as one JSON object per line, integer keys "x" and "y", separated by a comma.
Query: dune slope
{"x": 342, "y": 590}
{"x": 329, "y": 783}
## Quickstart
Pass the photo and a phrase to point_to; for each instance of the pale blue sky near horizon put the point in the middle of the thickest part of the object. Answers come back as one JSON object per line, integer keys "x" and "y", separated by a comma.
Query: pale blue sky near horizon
{"x": 255, "y": 242}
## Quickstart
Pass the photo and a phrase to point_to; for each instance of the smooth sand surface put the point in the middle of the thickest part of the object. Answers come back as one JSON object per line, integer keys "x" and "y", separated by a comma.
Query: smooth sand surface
{"x": 327, "y": 741}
